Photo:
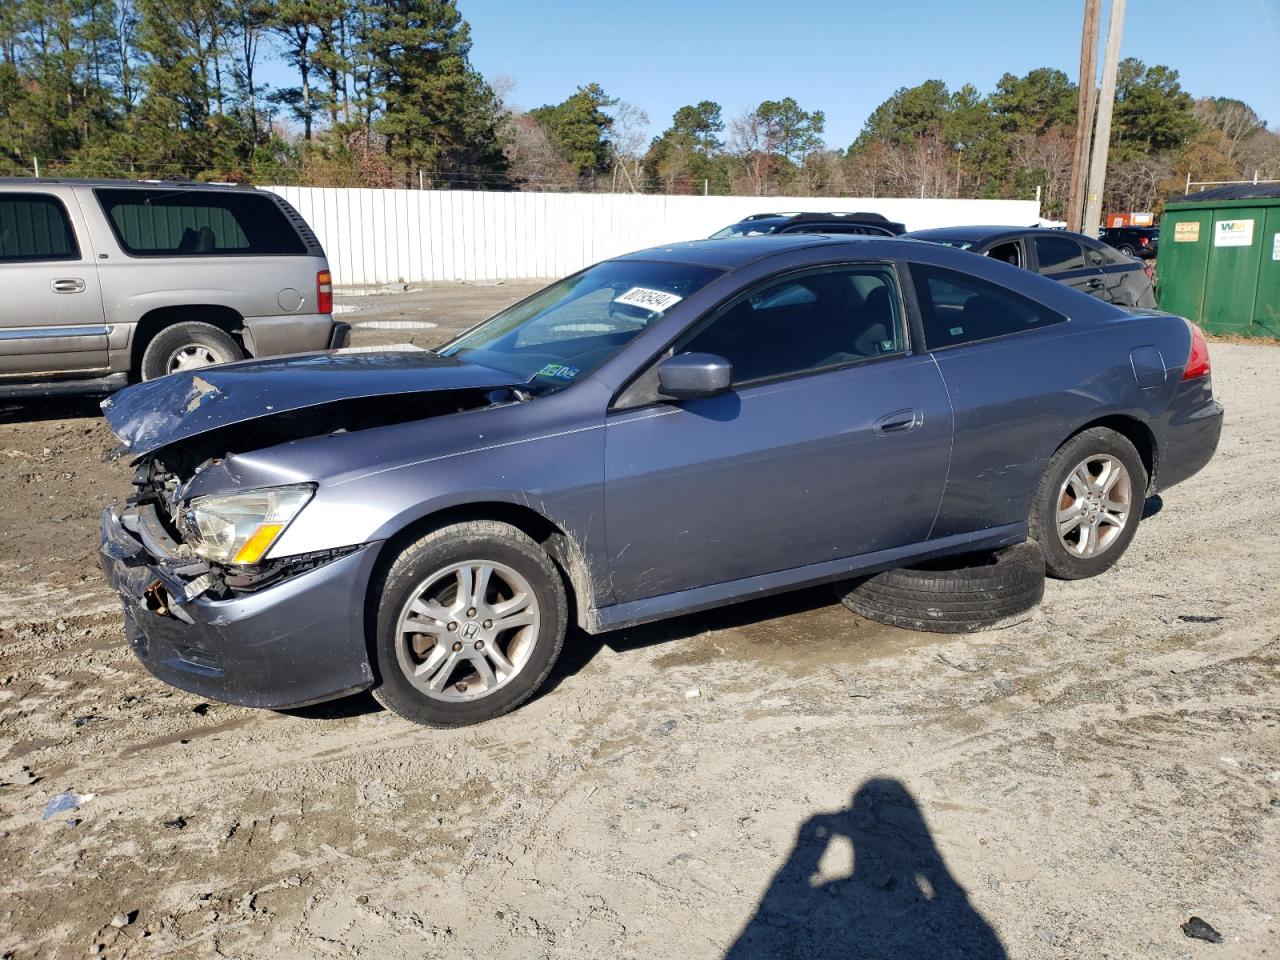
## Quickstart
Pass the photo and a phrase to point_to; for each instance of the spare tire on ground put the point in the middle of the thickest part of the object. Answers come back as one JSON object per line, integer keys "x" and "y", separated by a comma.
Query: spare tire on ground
{"x": 962, "y": 594}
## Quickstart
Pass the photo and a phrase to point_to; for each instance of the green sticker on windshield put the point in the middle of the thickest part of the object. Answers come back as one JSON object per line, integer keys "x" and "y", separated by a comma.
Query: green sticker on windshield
{"x": 559, "y": 371}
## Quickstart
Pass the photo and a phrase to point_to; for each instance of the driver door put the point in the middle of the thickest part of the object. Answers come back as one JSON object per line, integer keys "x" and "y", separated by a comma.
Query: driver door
{"x": 833, "y": 441}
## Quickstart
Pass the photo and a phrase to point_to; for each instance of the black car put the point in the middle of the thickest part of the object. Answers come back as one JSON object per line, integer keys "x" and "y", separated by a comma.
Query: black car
{"x": 1132, "y": 241}
{"x": 1071, "y": 258}
{"x": 759, "y": 224}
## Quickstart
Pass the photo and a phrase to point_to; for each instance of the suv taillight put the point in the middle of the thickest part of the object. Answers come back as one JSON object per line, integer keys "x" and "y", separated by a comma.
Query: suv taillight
{"x": 1144, "y": 240}
{"x": 324, "y": 292}
{"x": 1198, "y": 359}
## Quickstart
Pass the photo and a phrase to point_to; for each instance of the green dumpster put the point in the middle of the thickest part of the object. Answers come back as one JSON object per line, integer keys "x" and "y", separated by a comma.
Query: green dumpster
{"x": 1218, "y": 260}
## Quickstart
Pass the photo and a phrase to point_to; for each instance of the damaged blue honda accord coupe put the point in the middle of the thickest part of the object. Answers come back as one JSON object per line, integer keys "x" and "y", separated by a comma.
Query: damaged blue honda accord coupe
{"x": 676, "y": 429}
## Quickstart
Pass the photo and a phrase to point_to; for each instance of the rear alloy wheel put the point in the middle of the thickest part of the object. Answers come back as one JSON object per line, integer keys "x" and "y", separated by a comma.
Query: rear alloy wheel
{"x": 961, "y": 594}
{"x": 1127, "y": 250}
{"x": 1089, "y": 503}
{"x": 470, "y": 620}
{"x": 188, "y": 346}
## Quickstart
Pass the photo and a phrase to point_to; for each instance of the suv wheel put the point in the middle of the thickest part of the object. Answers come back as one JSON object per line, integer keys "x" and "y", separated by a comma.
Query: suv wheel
{"x": 1088, "y": 505}
{"x": 187, "y": 346}
{"x": 1127, "y": 250}
{"x": 470, "y": 620}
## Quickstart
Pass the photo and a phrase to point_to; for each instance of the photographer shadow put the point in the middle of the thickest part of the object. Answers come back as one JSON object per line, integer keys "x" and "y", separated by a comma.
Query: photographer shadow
{"x": 899, "y": 902}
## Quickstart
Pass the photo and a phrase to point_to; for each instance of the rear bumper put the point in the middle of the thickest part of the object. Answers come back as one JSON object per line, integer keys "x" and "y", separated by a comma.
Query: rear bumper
{"x": 297, "y": 642}
{"x": 291, "y": 333}
{"x": 1190, "y": 442}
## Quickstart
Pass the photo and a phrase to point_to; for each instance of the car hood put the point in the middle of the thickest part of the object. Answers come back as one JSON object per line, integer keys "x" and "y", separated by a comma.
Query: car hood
{"x": 154, "y": 414}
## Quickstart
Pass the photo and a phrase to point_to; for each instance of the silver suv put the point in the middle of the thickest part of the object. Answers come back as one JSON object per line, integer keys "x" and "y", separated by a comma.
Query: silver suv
{"x": 107, "y": 281}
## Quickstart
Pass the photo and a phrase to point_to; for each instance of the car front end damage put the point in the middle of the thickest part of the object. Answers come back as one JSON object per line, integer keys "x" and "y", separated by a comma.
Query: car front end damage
{"x": 212, "y": 602}
{"x": 276, "y": 633}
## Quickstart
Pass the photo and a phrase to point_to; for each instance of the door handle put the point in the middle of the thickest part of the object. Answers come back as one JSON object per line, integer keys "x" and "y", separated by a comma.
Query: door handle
{"x": 900, "y": 421}
{"x": 1095, "y": 283}
{"x": 67, "y": 285}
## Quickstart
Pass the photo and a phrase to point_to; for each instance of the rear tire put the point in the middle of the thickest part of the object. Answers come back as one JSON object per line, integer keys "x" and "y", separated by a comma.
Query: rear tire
{"x": 187, "y": 346}
{"x": 1089, "y": 503}
{"x": 955, "y": 594}
{"x": 1127, "y": 250}
{"x": 443, "y": 655}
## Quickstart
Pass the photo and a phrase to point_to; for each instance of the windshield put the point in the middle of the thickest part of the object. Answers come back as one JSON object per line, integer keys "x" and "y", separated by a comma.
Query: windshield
{"x": 748, "y": 228}
{"x": 567, "y": 330}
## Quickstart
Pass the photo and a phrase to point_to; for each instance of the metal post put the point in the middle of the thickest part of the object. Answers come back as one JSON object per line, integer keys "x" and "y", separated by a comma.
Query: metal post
{"x": 37, "y": 163}
{"x": 1187, "y": 191}
{"x": 420, "y": 186}
{"x": 1102, "y": 135}
{"x": 707, "y": 182}
{"x": 1084, "y": 113}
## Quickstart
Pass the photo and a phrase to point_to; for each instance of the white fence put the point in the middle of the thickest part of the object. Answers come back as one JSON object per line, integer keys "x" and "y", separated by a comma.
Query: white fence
{"x": 387, "y": 236}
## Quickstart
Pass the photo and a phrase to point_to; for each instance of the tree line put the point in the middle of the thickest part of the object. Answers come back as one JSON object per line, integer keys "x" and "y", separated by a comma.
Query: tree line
{"x": 383, "y": 93}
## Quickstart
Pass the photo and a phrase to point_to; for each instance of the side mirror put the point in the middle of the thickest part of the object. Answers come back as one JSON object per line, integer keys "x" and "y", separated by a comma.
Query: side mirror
{"x": 687, "y": 376}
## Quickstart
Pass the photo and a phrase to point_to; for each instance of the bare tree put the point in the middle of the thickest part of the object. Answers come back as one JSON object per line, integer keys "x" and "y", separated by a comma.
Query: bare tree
{"x": 630, "y": 136}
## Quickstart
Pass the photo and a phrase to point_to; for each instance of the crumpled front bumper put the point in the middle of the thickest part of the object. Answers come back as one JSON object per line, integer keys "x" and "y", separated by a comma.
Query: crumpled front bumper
{"x": 295, "y": 642}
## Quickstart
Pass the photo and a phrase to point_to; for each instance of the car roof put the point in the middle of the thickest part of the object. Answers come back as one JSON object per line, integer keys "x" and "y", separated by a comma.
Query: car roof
{"x": 728, "y": 253}
{"x": 172, "y": 184}
{"x": 972, "y": 234}
{"x": 820, "y": 216}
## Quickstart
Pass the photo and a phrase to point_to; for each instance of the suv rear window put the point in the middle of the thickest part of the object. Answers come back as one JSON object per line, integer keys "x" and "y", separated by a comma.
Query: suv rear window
{"x": 34, "y": 226}
{"x": 198, "y": 223}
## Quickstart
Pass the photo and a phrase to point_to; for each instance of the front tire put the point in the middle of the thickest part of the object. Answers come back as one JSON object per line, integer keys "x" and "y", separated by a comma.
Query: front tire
{"x": 187, "y": 346}
{"x": 1089, "y": 503}
{"x": 469, "y": 622}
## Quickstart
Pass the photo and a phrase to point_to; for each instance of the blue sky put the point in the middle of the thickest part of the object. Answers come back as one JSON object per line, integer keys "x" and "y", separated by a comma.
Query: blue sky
{"x": 846, "y": 57}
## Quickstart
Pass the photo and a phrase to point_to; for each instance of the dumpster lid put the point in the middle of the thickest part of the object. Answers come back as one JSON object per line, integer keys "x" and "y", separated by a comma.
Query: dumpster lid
{"x": 1233, "y": 191}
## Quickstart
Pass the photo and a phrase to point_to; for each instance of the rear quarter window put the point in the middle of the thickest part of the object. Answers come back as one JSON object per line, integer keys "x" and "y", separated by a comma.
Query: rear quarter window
{"x": 956, "y": 308}
{"x": 197, "y": 223}
{"x": 34, "y": 227}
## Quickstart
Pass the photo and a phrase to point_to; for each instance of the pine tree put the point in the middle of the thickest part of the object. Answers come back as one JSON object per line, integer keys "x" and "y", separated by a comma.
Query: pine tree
{"x": 439, "y": 114}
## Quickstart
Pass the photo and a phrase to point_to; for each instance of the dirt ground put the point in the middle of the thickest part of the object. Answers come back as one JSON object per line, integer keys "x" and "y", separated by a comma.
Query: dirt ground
{"x": 774, "y": 780}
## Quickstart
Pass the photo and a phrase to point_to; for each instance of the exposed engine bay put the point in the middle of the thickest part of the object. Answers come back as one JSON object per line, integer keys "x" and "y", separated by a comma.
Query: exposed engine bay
{"x": 154, "y": 514}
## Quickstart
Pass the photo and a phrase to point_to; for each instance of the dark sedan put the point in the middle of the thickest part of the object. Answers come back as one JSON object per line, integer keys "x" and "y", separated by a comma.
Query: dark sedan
{"x": 673, "y": 430}
{"x": 1071, "y": 258}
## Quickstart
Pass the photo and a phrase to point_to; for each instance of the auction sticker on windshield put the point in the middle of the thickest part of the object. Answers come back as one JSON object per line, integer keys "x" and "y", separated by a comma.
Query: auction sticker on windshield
{"x": 646, "y": 299}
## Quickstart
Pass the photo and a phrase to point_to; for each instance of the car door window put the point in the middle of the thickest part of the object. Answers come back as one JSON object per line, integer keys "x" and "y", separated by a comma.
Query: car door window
{"x": 806, "y": 322}
{"x": 957, "y": 308}
{"x": 1057, "y": 254}
{"x": 1010, "y": 252}
{"x": 34, "y": 227}
{"x": 1095, "y": 258}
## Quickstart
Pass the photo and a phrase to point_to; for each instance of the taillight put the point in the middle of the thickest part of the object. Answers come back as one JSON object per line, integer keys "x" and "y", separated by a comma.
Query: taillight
{"x": 324, "y": 292}
{"x": 1144, "y": 240}
{"x": 1149, "y": 270}
{"x": 1198, "y": 360}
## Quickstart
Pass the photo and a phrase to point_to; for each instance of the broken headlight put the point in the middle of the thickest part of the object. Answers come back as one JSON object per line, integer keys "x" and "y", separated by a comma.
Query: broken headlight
{"x": 241, "y": 527}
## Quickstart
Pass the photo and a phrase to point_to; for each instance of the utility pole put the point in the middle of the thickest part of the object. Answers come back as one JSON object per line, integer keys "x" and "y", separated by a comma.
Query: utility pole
{"x": 1084, "y": 113}
{"x": 1102, "y": 135}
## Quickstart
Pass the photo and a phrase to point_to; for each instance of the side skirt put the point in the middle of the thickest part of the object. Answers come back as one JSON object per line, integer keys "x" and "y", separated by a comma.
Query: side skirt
{"x": 620, "y": 615}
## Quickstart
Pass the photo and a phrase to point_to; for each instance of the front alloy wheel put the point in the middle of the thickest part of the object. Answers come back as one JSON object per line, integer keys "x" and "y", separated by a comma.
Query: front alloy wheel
{"x": 469, "y": 621}
{"x": 469, "y": 631}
